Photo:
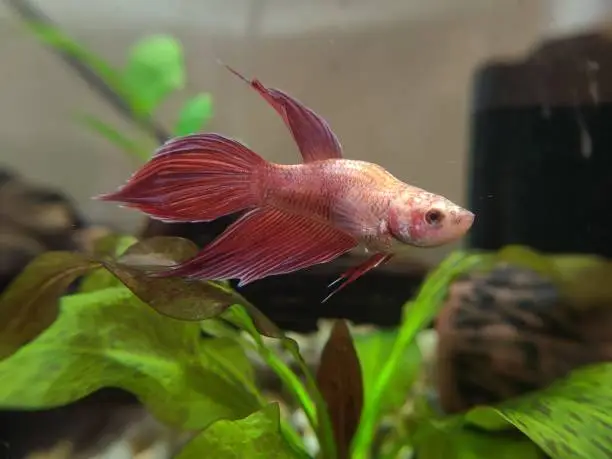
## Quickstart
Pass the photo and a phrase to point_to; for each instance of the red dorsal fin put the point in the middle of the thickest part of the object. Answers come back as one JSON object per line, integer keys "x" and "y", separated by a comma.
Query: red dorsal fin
{"x": 262, "y": 243}
{"x": 313, "y": 136}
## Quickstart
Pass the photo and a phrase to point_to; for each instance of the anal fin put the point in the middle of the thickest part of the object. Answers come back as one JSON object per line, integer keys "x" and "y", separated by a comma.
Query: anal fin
{"x": 265, "y": 242}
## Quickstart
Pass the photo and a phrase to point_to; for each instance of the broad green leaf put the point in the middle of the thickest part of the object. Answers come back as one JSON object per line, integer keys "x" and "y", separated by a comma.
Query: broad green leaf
{"x": 230, "y": 357}
{"x": 221, "y": 327}
{"x": 584, "y": 280}
{"x": 570, "y": 419}
{"x": 155, "y": 68}
{"x": 417, "y": 314}
{"x": 117, "y": 138}
{"x": 98, "y": 279}
{"x": 307, "y": 395}
{"x": 373, "y": 349}
{"x": 581, "y": 279}
{"x": 527, "y": 257}
{"x": 453, "y": 441}
{"x": 109, "y": 338}
{"x": 254, "y": 437}
{"x": 194, "y": 115}
{"x": 339, "y": 380}
{"x": 238, "y": 316}
{"x": 30, "y": 303}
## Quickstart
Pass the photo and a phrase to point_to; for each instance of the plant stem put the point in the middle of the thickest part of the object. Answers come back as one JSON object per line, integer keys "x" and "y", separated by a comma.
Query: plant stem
{"x": 422, "y": 309}
{"x": 323, "y": 426}
{"x": 293, "y": 384}
{"x": 29, "y": 13}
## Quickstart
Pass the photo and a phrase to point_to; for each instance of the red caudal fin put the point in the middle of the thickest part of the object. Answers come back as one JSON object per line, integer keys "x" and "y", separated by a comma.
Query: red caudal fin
{"x": 356, "y": 272}
{"x": 313, "y": 136}
{"x": 198, "y": 177}
{"x": 262, "y": 243}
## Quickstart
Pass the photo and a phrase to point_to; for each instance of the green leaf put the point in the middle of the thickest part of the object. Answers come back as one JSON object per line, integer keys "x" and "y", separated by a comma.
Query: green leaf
{"x": 321, "y": 423}
{"x": 254, "y": 322}
{"x": 110, "y": 339}
{"x": 98, "y": 279}
{"x": 30, "y": 303}
{"x": 222, "y": 327}
{"x": 307, "y": 395}
{"x": 238, "y": 316}
{"x": 110, "y": 246}
{"x": 254, "y": 437}
{"x": 194, "y": 115}
{"x": 453, "y": 441}
{"x": 581, "y": 279}
{"x": 584, "y": 280}
{"x": 113, "y": 245}
{"x": 155, "y": 68}
{"x": 527, "y": 257}
{"x": 417, "y": 314}
{"x": 340, "y": 382}
{"x": 570, "y": 419}
{"x": 120, "y": 140}
{"x": 174, "y": 297}
{"x": 373, "y": 349}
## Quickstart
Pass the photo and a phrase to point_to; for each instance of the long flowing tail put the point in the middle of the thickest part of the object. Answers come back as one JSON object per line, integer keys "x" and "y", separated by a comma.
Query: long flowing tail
{"x": 198, "y": 177}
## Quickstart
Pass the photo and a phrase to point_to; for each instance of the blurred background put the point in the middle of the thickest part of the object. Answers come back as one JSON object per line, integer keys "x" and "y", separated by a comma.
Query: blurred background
{"x": 393, "y": 77}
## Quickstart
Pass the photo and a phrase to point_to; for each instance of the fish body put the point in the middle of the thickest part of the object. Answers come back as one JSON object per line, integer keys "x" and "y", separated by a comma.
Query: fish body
{"x": 351, "y": 195}
{"x": 296, "y": 215}
{"x": 322, "y": 190}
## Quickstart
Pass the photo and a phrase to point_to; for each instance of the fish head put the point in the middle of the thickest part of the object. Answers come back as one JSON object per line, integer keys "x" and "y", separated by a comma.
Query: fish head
{"x": 424, "y": 219}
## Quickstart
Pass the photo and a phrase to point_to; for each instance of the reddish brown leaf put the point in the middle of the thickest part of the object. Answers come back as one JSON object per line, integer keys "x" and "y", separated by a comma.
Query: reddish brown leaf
{"x": 172, "y": 296}
{"x": 30, "y": 303}
{"x": 159, "y": 251}
{"x": 341, "y": 384}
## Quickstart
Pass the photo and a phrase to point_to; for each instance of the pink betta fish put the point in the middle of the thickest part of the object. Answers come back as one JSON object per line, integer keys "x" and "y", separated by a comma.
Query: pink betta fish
{"x": 297, "y": 215}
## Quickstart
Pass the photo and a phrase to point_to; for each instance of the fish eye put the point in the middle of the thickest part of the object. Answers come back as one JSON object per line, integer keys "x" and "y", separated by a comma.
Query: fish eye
{"x": 434, "y": 217}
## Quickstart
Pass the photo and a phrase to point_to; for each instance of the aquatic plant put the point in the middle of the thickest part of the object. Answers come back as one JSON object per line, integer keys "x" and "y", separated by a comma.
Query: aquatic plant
{"x": 155, "y": 69}
{"x": 181, "y": 347}
{"x": 125, "y": 329}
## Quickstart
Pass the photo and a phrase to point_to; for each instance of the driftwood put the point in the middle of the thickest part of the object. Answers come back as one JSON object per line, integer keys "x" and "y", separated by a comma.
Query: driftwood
{"x": 508, "y": 332}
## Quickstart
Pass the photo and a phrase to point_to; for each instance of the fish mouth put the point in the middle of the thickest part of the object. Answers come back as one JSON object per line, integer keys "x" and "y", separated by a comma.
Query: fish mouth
{"x": 467, "y": 219}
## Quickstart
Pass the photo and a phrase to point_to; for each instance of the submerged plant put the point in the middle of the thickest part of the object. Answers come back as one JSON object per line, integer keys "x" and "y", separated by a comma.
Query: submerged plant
{"x": 181, "y": 346}
{"x": 154, "y": 70}
{"x": 126, "y": 330}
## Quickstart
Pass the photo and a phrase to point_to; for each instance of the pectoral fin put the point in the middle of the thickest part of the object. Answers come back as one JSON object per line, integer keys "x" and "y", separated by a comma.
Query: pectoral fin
{"x": 356, "y": 272}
